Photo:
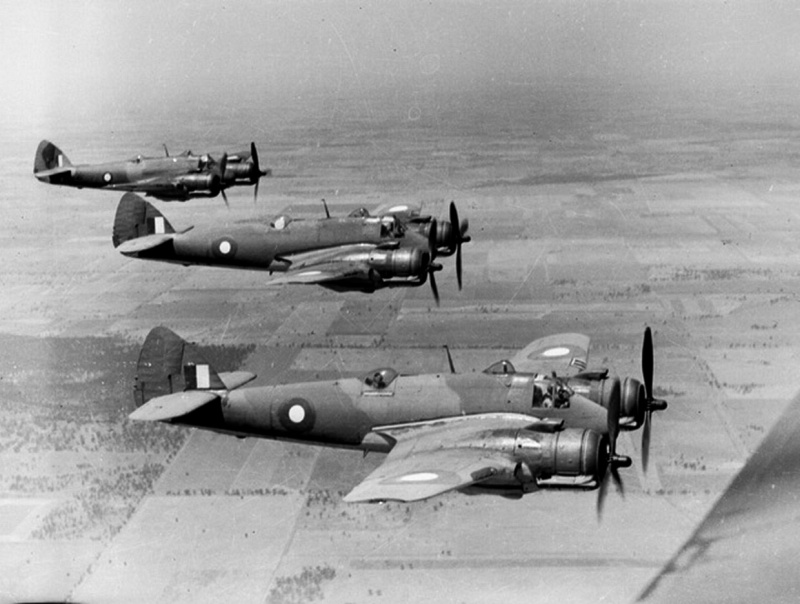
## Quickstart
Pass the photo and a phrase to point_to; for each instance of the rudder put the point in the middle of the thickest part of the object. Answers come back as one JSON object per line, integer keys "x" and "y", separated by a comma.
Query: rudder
{"x": 168, "y": 364}
{"x": 136, "y": 218}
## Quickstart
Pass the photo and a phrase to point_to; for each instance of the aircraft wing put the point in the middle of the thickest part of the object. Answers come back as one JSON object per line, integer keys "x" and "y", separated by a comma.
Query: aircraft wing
{"x": 562, "y": 353}
{"x": 148, "y": 185}
{"x": 747, "y": 547}
{"x": 172, "y": 405}
{"x": 323, "y": 273}
{"x": 431, "y": 458}
{"x": 326, "y": 265}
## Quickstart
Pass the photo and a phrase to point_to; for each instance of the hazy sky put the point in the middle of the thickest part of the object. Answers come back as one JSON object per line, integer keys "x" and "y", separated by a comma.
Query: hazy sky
{"x": 59, "y": 56}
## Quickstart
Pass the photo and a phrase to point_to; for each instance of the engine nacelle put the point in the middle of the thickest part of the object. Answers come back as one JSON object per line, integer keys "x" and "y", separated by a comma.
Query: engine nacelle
{"x": 399, "y": 263}
{"x": 238, "y": 171}
{"x": 579, "y": 455}
{"x": 632, "y": 397}
{"x": 201, "y": 182}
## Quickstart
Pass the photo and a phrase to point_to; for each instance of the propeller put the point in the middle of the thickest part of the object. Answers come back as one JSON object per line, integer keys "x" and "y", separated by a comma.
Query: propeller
{"x": 255, "y": 172}
{"x": 433, "y": 266}
{"x": 219, "y": 170}
{"x": 459, "y": 236}
{"x": 651, "y": 404}
{"x": 613, "y": 460}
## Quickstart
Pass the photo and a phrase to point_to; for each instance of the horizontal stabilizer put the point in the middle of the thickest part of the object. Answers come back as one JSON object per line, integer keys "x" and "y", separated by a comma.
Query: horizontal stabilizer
{"x": 46, "y": 175}
{"x": 142, "y": 244}
{"x": 172, "y": 406}
{"x": 236, "y": 379}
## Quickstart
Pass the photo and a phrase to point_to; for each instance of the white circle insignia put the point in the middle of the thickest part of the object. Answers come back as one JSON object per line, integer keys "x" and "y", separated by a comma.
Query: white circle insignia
{"x": 225, "y": 247}
{"x": 107, "y": 177}
{"x": 419, "y": 477}
{"x": 556, "y": 352}
{"x": 297, "y": 414}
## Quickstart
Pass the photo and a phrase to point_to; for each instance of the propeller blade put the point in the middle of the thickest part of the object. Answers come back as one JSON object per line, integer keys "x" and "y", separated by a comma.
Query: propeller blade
{"x": 454, "y": 225}
{"x": 223, "y": 163}
{"x": 617, "y": 480}
{"x": 647, "y": 363}
{"x": 434, "y": 289}
{"x": 256, "y": 171}
{"x": 255, "y": 193}
{"x": 458, "y": 266}
{"x": 602, "y": 493}
{"x": 432, "y": 232}
{"x": 613, "y": 415}
{"x": 648, "y": 418}
{"x": 224, "y": 197}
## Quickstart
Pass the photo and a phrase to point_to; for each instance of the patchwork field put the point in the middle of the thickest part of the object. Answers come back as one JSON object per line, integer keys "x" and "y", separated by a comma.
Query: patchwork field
{"x": 661, "y": 232}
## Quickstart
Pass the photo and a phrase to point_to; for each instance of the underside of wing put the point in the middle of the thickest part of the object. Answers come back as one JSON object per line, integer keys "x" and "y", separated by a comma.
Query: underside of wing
{"x": 426, "y": 474}
{"x": 150, "y": 185}
{"x": 562, "y": 353}
{"x": 747, "y": 547}
{"x": 431, "y": 458}
{"x": 324, "y": 273}
{"x": 340, "y": 263}
{"x": 172, "y": 406}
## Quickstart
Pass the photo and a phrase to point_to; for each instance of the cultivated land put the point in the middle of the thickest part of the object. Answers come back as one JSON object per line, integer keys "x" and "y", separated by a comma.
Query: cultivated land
{"x": 682, "y": 217}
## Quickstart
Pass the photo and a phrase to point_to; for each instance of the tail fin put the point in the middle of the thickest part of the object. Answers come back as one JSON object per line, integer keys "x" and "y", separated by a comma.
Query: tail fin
{"x": 137, "y": 218}
{"x": 49, "y": 157}
{"x": 167, "y": 364}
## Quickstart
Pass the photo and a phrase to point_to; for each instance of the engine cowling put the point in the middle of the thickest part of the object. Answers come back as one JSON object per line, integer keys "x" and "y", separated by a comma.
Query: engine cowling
{"x": 579, "y": 455}
{"x": 201, "y": 182}
{"x": 399, "y": 263}
{"x": 632, "y": 397}
{"x": 239, "y": 171}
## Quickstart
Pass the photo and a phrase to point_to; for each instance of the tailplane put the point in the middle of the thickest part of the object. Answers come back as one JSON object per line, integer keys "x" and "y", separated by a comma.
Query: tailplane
{"x": 137, "y": 218}
{"x": 168, "y": 365}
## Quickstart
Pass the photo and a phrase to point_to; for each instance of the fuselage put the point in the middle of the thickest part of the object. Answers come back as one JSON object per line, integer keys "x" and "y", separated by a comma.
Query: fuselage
{"x": 270, "y": 247}
{"x": 344, "y": 412}
{"x": 119, "y": 175}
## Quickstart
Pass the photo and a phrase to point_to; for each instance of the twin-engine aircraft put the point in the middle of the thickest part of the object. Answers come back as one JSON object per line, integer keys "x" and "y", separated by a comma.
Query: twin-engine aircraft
{"x": 512, "y": 429}
{"x": 353, "y": 253}
{"x": 169, "y": 178}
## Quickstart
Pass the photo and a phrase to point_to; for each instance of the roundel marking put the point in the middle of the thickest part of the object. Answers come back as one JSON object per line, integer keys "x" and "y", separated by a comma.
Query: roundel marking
{"x": 224, "y": 247}
{"x": 559, "y": 351}
{"x": 297, "y": 415}
{"x": 107, "y": 177}
{"x": 419, "y": 477}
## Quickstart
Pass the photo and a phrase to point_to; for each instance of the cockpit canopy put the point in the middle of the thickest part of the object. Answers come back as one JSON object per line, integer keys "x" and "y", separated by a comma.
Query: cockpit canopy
{"x": 380, "y": 378}
{"x": 359, "y": 213}
{"x": 503, "y": 367}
